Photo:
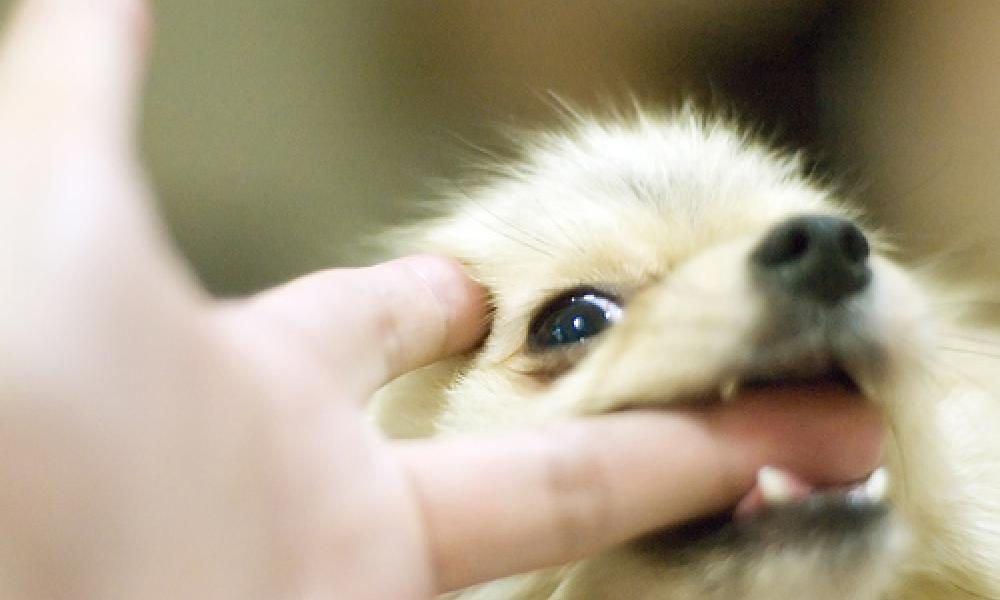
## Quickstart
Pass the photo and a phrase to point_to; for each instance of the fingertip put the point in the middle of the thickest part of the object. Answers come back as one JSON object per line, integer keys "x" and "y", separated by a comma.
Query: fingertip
{"x": 372, "y": 324}
{"x": 75, "y": 65}
{"x": 463, "y": 302}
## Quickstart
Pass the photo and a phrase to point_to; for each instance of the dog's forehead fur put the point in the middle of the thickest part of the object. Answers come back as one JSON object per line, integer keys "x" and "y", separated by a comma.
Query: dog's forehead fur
{"x": 618, "y": 205}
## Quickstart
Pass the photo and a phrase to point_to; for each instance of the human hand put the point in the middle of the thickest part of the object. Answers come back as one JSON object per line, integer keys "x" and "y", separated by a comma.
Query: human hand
{"x": 155, "y": 442}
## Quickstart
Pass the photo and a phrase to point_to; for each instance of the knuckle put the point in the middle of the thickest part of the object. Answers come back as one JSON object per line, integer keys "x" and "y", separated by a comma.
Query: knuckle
{"x": 578, "y": 492}
{"x": 388, "y": 328}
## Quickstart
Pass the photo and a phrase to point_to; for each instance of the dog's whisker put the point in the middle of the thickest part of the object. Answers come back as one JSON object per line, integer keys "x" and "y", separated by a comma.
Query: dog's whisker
{"x": 512, "y": 235}
{"x": 965, "y": 337}
{"x": 966, "y": 590}
{"x": 973, "y": 351}
{"x": 970, "y": 303}
{"x": 509, "y": 230}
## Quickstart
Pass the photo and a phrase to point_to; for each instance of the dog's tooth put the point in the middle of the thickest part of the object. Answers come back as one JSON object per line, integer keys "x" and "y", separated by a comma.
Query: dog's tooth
{"x": 873, "y": 490}
{"x": 775, "y": 487}
{"x": 877, "y": 486}
{"x": 728, "y": 389}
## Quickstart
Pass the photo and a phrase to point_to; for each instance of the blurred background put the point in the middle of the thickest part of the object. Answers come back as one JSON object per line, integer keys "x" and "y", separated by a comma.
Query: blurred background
{"x": 280, "y": 132}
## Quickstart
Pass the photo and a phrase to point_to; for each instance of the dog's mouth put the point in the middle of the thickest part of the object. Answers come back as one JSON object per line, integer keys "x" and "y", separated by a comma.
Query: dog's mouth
{"x": 782, "y": 507}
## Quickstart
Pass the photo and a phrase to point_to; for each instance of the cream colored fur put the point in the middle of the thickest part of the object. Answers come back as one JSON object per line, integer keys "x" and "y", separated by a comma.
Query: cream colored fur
{"x": 663, "y": 210}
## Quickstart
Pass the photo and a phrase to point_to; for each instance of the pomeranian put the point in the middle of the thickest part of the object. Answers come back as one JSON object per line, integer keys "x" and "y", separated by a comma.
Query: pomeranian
{"x": 671, "y": 258}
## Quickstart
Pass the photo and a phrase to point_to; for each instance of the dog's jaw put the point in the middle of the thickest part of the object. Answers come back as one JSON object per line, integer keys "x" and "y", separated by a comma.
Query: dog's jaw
{"x": 665, "y": 213}
{"x": 761, "y": 341}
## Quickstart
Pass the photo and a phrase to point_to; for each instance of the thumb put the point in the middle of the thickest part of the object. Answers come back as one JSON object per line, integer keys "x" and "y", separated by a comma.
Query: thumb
{"x": 369, "y": 325}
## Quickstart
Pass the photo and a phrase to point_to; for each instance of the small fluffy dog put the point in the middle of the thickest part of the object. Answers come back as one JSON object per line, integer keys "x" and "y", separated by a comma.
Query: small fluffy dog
{"x": 662, "y": 259}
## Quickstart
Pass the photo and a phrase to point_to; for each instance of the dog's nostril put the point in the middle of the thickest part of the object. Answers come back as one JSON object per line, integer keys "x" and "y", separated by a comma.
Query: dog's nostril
{"x": 819, "y": 257}
{"x": 787, "y": 246}
{"x": 853, "y": 243}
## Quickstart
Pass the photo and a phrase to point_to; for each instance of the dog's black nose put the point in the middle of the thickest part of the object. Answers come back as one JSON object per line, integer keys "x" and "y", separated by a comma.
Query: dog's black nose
{"x": 819, "y": 257}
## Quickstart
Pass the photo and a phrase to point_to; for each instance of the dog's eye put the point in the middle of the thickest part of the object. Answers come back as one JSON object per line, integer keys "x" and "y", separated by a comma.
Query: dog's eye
{"x": 573, "y": 318}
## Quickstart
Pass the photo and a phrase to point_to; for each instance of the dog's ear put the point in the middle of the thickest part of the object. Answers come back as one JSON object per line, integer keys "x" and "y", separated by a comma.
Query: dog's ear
{"x": 409, "y": 406}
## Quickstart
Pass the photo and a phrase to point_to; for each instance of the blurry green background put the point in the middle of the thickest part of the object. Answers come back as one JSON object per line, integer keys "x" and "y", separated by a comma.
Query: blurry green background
{"x": 280, "y": 132}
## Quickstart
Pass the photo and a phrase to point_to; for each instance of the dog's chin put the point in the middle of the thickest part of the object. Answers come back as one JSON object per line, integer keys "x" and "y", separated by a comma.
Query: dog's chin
{"x": 824, "y": 549}
{"x": 823, "y": 520}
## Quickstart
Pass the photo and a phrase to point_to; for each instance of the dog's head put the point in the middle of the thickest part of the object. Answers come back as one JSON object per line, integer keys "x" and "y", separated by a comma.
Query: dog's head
{"x": 672, "y": 260}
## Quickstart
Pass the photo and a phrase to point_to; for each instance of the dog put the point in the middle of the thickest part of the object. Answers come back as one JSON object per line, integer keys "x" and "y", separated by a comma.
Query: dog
{"x": 670, "y": 258}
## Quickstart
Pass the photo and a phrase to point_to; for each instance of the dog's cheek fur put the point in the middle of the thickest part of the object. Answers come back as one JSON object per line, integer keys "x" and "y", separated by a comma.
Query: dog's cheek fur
{"x": 948, "y": 462}
{"x": 460, "y": 395}
{"x": 410, "y": 406}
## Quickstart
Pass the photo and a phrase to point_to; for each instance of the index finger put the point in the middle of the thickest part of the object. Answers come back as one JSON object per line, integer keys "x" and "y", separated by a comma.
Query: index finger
{"x": 516, "y": 502}
{"x": 75, "y": 216}
{"x": 72, "y": 65}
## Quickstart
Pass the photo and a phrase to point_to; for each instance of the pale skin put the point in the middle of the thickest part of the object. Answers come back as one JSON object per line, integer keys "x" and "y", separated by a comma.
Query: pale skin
{"x": 155, "y": 442}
